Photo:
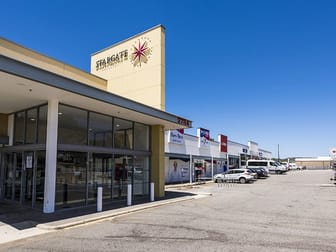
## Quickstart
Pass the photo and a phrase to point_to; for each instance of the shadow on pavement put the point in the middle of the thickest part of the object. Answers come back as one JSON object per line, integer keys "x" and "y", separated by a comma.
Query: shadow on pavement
{"x": 22, "y": 217}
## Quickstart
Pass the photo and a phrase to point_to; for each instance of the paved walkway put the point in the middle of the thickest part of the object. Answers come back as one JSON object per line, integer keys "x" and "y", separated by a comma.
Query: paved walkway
{"x": 19, "y": 222}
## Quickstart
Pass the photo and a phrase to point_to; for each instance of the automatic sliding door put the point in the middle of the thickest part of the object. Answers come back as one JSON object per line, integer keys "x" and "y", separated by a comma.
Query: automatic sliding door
{"x": 99, "y": 175}
{"x": 28, "y": 188}
{"x": 122, "y": 175}
{"x": 71, "y": 179}
{"x": 18, "y": 176}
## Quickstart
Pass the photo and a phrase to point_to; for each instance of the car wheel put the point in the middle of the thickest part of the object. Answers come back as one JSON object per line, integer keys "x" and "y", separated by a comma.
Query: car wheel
{"x": 215, "y": 181}
{"x": 242, "y": 180}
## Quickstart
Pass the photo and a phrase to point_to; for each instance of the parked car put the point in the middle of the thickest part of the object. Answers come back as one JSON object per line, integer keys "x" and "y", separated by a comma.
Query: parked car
{"x": 283, "y": 168}
{"x": 253, "y": 173}
{"x": 237, "y": 175}
{"x": 260, "y": 172}
{"x": 268, "y": 165}
{"x": 293, "y": 166}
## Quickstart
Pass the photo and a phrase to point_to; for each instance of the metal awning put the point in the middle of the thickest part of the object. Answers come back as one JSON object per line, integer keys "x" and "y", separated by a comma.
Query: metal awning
{"x": 23, "y": 86}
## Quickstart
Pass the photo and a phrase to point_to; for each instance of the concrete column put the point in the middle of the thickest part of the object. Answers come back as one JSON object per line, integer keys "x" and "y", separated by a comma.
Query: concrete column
{"x": 51, "y": 158}
{"x": 157, "y": 160}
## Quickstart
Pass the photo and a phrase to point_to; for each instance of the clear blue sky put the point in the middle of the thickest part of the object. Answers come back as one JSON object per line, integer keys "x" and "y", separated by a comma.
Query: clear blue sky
{"x": 253, "y": 70}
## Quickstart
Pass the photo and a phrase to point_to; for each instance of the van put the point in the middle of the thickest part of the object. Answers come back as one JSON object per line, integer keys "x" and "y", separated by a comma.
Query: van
{"x": 268, "y": 165}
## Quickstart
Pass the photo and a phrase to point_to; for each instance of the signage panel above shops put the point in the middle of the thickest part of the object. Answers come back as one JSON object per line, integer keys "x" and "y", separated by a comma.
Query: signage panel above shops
{"x": 176, "y": 136}
{"x": 203, "y": 138}
{"x": 222, "y": 139}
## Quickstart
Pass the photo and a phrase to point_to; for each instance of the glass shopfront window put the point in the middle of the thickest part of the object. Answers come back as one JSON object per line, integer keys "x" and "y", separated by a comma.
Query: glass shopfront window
{"x": 42, "y": 125}
{"x": 72, "y": 125}
{"x": 100, "y": 130}
{"x": 141, "y": 137}
{"x": 123, "y": 134}
{"x": 123, "y": 171}
{"x": 19, "y": 134}
{"x": 40, "y": 176}
{"x": 31, "y": 126}
{"x": 71, "y": 177}
{"x": 141, "y": 176}
{"x": 100, "y": 174}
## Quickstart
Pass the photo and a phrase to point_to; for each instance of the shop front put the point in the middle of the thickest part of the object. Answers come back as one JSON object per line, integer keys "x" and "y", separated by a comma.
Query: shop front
{"x": 63, "y": 136}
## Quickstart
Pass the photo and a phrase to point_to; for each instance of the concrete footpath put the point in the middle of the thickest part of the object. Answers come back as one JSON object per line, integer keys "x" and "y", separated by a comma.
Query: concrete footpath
{"x": 17, "y": 222}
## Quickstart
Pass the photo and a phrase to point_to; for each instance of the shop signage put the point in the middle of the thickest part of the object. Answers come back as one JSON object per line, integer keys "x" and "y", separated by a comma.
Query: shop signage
{"x": 139, "y": 53}
{"x": 222, "y": 143}
{"x": 184, "y": 122}
{"x": 112, "y": 60}
{"x": 203, "y": 138}
{"x": 176, "y": 136}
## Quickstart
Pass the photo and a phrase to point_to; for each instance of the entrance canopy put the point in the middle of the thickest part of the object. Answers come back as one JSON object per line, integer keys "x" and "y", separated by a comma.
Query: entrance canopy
{"x": 25, "y": 85}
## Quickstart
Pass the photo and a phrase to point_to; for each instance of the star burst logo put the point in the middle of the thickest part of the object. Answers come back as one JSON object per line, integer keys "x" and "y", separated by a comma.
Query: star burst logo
{"x": 141, "y": 52}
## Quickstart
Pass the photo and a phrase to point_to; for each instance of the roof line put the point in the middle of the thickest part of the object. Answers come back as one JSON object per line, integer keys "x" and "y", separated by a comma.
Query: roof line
{"x": 123, "y": 41}
{"x": 12, "y": 66}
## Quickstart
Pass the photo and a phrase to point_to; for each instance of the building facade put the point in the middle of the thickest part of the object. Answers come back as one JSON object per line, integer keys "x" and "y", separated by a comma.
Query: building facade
{"x": 189, "y": 157}
{"x": 64, "y": 132}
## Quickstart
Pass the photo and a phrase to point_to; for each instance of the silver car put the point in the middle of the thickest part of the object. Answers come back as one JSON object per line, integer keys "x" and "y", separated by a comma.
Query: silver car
{"x": 234, "y": 175}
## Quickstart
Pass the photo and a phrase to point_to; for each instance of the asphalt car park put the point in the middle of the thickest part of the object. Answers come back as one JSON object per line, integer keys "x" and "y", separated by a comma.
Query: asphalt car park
{"x": 293, "y": 212}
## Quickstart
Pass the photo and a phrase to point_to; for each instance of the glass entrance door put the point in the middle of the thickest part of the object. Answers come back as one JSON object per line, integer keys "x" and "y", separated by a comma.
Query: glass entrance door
{"x": 28, "y": 183}
{"x": 19, "y": 177}
{"x": 9, "y": 175}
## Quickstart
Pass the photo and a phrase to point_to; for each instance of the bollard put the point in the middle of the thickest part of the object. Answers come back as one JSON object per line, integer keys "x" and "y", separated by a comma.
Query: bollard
{"x": 129, "y": 194}
{"x": 99, "y": 199}
{"x": 151, "y": 191}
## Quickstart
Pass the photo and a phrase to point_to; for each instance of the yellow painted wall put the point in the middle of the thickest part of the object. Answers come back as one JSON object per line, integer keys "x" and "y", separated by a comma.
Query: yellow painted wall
{"x": 142, "y": 81}
{"x": 157, "y": 161}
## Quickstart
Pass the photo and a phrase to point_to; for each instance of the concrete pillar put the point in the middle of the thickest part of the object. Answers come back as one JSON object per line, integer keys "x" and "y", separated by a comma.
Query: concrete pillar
{"x": 51, "y": 158}
{"x": 157, "y": 160}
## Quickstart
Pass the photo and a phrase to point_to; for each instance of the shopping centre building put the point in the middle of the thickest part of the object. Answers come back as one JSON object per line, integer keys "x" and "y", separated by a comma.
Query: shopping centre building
{"x": 64, "y": 132}
{"x": 189, "y": 157}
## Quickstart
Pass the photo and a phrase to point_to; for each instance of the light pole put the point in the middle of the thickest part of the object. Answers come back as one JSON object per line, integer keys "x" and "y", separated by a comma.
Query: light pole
{"x": 278, "y": 154}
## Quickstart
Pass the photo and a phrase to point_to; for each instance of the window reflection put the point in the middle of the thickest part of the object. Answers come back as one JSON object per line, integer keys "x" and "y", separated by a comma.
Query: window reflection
{"x": 100, "y": 130}
{"x": 72, "y": 125}
{"x": 19, "y": 128}
{"x": 123, "y": 134}
{"x": 71, "y": 178}
{"x": 42, "y": 125}
{"x": 31, "y": 126}
{"x": 141, "y": 137}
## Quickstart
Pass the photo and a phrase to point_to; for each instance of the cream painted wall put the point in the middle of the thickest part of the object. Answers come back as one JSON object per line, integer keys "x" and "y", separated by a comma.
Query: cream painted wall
{"x": 20, "y": 53}
{"x": 142, "y": 81}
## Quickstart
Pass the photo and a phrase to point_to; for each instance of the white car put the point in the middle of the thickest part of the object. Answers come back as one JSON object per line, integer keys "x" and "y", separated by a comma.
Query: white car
{"x": 293, "y": 166}
{"x": 241, "y": 175}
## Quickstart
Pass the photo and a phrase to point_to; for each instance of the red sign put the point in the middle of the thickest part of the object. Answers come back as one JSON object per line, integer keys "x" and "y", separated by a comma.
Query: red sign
{"x": 223, "y": 143}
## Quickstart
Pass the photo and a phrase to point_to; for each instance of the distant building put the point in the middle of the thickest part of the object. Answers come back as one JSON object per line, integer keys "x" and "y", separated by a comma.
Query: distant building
{"x": 314, "y": 163}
